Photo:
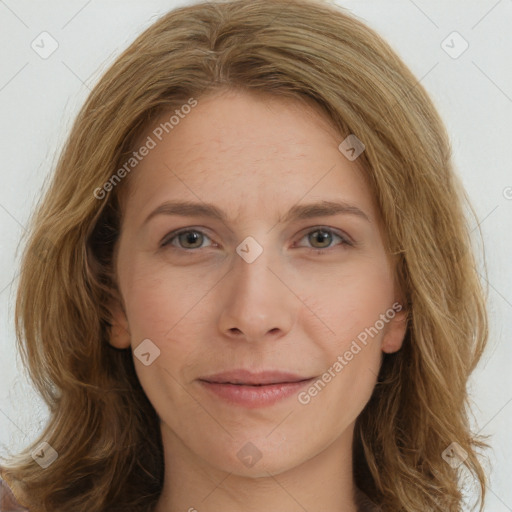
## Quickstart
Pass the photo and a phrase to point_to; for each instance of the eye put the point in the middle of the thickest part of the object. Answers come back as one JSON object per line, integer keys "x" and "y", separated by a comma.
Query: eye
{"x": 193, "y": 237}
{"x": 324, "y": 236}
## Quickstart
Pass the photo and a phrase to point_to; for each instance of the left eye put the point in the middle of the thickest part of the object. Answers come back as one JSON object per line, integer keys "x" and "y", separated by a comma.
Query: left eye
{"x": 195, "y": 237}
{"x": 323, "y": 235}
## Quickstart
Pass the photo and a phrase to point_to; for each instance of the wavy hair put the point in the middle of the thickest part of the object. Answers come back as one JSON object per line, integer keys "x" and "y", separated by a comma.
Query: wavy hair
{"x": 101, "y": 423}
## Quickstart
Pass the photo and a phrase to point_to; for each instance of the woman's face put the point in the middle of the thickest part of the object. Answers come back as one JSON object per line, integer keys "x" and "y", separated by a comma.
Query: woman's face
{"x": 276, "y": 286}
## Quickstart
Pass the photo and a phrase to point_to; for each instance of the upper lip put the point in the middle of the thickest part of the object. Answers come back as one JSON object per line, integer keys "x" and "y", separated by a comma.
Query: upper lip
{"x": 242, "y": 376}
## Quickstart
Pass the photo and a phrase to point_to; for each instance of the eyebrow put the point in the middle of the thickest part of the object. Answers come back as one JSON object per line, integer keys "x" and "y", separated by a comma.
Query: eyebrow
{"x": 297, "y": 212}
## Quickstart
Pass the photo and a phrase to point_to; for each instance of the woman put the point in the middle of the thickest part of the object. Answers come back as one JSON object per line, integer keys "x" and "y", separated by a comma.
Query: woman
{"x": 254, "y": 370}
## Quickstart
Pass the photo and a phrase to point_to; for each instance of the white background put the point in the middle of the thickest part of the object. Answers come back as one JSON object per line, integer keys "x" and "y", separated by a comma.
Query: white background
{"x": 39, "y": 98}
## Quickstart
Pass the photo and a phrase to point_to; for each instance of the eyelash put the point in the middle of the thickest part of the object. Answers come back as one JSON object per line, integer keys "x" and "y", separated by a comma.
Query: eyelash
{"x": 345, "y": 241}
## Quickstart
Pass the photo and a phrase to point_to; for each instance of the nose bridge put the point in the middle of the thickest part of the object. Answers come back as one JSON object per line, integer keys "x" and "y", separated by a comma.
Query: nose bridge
{"x": 254, "y": 279}
{"x": 252, "y": 268}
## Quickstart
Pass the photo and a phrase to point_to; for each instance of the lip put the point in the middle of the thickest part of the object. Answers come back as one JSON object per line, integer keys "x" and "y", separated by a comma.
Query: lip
{"x": 241, "y": 376}
{"x": 254, "y": 390}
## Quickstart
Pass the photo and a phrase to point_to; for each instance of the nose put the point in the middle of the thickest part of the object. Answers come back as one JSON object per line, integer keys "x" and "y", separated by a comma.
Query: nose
{"x": 259, "y": 300}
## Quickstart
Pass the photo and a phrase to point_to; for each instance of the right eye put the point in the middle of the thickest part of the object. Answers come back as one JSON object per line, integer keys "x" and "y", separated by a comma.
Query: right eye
{"x": 184, "y": 237}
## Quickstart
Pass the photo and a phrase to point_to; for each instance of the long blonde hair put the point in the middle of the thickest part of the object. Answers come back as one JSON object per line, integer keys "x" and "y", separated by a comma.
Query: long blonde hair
{"x": 101, "y": 424}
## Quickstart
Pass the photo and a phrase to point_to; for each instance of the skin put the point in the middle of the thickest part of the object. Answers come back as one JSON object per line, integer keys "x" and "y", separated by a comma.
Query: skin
{"x": 291, "y": 309}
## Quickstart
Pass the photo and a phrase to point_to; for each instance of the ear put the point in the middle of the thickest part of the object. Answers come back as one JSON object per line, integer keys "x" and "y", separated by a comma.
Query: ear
{"x": 119, "y": 330}
{"x": 395, "y": 330}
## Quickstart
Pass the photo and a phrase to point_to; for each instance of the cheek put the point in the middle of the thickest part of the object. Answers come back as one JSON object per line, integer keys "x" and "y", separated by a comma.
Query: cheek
{"x": 167, "y": 310}
{"x": 157, "y": 300}
{"x": 156, "y": 313}
{"x": 349, "y": 342}
{"x": 151, "y": 311}
{"x": 352, "y": 301}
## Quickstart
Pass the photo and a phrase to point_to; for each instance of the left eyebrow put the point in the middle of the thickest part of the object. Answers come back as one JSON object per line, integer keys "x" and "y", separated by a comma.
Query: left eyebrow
{"x": 323, "y": 209}
{"x": 297, "y": 212}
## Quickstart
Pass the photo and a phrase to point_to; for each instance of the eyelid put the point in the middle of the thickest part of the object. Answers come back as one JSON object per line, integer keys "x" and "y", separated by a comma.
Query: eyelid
{"x": 346, "y": 239}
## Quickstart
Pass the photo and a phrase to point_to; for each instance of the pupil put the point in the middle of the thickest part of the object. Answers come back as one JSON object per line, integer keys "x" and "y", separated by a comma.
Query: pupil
{"x": 323, "y": 236}
{"x": 191, "y": 237}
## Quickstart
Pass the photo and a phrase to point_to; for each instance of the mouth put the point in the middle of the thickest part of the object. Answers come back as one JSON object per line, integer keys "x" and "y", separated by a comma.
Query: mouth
{"x": 253, "y": 390}
{"x": 246, "y": 378}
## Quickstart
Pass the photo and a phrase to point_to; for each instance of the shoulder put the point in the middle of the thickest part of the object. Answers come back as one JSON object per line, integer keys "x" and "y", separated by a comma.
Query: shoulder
{"x": 8, "y": 502}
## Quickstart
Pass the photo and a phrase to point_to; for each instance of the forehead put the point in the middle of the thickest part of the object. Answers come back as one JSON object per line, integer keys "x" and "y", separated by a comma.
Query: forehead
{"x": 246, "y": 150}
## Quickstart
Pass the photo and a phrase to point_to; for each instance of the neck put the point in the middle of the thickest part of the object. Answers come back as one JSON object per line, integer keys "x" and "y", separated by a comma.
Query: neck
{"x": 323, "y": 482}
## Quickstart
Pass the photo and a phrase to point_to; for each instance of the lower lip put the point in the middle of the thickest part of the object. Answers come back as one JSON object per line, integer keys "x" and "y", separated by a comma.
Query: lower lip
{"x": 255, "y": 396}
